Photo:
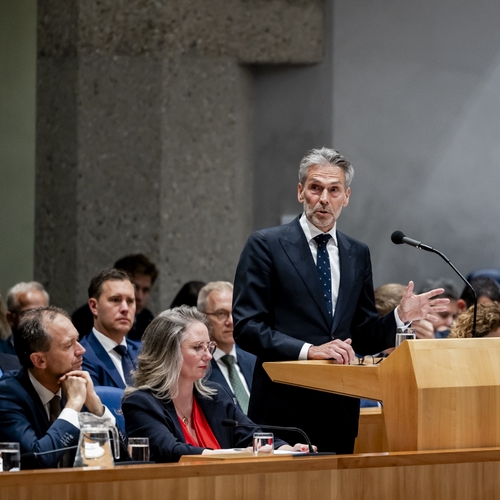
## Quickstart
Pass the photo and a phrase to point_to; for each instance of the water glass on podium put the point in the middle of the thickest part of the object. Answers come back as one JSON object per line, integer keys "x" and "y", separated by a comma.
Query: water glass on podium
{"x": 138, "y": 449}
{"x": 10, "y": 457}
{"x": 403, "y": 334}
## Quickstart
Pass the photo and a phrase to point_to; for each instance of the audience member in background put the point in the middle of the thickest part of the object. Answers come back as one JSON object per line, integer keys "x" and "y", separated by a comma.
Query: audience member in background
{"x": 39, "y": 404}
{"x": 188, "y": 294}
{"x": 388, "y": 297}
{"x": 110, "y": 356}
{"x": 8, "y": 362}
{"x": 486, "y": 288}
{"x": 5, "y": 331}
{"x": 448, "y": 317}
{"x": 143, "y": 274}
{"x": 232, "y": 367}
{"x": 172, "y": 404}
{"x": 20, "y": 299}
{"x": 487, "y": 322}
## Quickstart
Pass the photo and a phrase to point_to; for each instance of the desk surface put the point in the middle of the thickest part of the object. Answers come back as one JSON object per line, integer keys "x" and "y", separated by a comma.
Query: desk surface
{"x": 457, "y": 474}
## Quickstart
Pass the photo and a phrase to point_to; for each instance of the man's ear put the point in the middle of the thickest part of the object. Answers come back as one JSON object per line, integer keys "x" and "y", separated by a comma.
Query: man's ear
{"x": 93, "y": 306}
{"x": 10, "y": 319}
{"x": 38, "y": 360}
{"x": 462, "y": 306}
{"x": 300, "y": 191}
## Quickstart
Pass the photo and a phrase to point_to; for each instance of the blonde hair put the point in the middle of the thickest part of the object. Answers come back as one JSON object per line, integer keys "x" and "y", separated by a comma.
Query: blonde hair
{"x": 488, "y": 320}
{"x": 160, "y": 360}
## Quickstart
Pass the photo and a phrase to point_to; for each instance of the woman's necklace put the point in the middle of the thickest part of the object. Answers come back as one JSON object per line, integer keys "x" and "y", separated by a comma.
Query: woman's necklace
{"x": 185, "y": 420}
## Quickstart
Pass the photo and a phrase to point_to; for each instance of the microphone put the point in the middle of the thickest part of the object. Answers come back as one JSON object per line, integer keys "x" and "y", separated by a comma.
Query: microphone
{"x": 398, "y": 237}
{"x": 228, "y": 422}
{"x": 34, "y": 454}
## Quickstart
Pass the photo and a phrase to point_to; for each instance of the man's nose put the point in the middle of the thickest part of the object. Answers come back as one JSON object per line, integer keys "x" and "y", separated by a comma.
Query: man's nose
{"x": 324, "y": 196}
{"x": 80, "y": 349}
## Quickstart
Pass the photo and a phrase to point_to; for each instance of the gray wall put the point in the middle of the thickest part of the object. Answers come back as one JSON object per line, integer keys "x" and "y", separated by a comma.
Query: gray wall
{"x": 416, "y": 90}
{"x": 17, "y": 140}
{"x": 411, "y": 95}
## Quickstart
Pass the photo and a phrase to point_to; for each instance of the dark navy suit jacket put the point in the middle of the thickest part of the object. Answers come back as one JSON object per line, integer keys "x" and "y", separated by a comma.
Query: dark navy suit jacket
{"x": 23, "y": 419}
{"x": 246, "y": 362}
{"x": 156, "y": 419}
{"x": 279, "y": 305}
{"x": 100, "y": 366}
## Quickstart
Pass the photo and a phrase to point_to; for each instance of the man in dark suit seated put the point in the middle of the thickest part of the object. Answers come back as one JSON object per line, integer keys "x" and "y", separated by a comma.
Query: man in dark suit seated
{"x": 304, "y": 290}
{"x": 232, "y": 367}
{"x": 39, "y": 404}
{"x": 110, "y": 356}
{"x": 8, "y": 362}
{"x": 143, "y": 274}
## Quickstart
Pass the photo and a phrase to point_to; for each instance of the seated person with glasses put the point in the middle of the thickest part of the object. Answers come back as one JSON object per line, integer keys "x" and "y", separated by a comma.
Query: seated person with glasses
{"x": 171, "y": 402}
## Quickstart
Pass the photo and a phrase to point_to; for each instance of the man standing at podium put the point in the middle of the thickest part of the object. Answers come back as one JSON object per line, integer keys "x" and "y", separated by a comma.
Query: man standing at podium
{"x": 304, "y": 291}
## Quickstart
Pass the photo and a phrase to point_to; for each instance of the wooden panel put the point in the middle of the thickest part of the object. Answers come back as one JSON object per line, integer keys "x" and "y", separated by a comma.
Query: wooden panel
{"x": 372, "y": 437}
{"x": 437, "y": 394}
{"x": 447, "y": 475}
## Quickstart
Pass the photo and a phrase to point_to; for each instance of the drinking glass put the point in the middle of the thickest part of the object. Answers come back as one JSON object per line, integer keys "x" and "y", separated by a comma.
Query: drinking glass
{"x": 10, "y": 457}
{"x": 403, "y": 334}
{"x": 263, "y": 443}
{"x": 138, "y": 449}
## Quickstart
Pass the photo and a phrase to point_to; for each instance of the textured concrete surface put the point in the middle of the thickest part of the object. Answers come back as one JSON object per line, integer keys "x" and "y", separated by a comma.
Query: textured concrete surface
{"x": 144, "y": 132}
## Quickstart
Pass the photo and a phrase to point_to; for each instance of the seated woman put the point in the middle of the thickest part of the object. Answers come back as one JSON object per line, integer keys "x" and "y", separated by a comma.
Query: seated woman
{"x": 172, "y": 404}
{"x": 487, "y": 322}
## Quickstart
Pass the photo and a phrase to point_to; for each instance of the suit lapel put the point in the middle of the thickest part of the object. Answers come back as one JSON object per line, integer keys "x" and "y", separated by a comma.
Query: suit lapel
{"x": 41, "y": 415}
{"x": 297, "y": 249}
{"x": 347, "y": 274}
{"x": 105, "y": 359}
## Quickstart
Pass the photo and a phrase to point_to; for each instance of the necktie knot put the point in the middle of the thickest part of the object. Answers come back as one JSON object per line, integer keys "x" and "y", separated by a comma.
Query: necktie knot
{"x": 121, "y": 350}
{"x": 228, "y": 359}
{"x": 322, "y": 239}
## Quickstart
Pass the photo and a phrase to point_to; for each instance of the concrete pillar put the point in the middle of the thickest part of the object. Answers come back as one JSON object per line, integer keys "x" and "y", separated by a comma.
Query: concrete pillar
{"x": 144, "y": 132}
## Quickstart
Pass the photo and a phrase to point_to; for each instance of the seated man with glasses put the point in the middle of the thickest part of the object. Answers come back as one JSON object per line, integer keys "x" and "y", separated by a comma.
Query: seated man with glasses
{"x": 172, "y": 403}
{"x": 232, "y": 367}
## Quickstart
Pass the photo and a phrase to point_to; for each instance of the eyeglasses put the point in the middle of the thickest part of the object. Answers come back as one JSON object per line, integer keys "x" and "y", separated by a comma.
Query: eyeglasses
{"x": 221, "y": 314}
{"x": 371, "y": 359}
{"x": 201, "y": 347}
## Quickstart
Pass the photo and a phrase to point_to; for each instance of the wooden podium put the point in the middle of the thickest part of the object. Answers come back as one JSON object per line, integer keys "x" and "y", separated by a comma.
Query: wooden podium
{"x": 436, "y": 394}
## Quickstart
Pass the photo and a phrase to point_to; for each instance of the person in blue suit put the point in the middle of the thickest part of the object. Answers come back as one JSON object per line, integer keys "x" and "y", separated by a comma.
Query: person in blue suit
{"x": 172, "y": 404}
{"x": 232, "y": 367}
{"x": 111, "y": 356}
{"x": 304, "y": 290}
{"x": 39, "y": 404}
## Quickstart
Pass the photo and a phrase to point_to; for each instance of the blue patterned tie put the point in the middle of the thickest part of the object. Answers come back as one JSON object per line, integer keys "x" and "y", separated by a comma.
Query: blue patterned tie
{"x": 323, "y": 268}
{"x": 127, "y": 364}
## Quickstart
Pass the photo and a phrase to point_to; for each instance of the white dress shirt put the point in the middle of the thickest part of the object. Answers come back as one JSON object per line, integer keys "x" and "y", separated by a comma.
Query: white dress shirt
{"x": 67, "y": 414}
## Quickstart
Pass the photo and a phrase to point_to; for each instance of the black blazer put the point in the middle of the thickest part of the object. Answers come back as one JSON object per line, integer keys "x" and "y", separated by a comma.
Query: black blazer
{"x": 279, "y": 305}
{"x": 156, "y": 419}
{"x": 23, "y": 419}
{"x": 246, "y": 362}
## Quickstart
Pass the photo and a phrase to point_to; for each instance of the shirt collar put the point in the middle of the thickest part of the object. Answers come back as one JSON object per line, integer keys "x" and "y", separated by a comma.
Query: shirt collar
{"x": 311, "y": 231}
{"x": 106, "y": 342}
{"x": 219, "y": 353}
{"x": 44, "y": 394}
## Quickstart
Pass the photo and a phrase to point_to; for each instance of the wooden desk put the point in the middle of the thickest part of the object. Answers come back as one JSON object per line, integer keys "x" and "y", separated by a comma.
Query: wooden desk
{"x": 449, "y": 474}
